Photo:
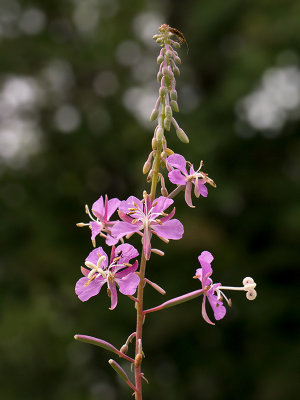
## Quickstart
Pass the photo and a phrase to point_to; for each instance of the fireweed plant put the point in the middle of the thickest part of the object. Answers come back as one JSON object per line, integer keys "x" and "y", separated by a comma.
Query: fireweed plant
{"x": 149, "y": 216}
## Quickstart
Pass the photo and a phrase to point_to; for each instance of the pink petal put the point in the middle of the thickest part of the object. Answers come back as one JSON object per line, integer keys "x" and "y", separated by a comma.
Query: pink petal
{"x": 176, "y": 177}
{"x": 172, "y": 229}
{"x": 112, "y": 205}
{"x": 113, "y": 295}
{"x": 93, "y": 256}
{"x": 92, "y": 289}
{"x": 98, "y": 208}
{"x": 111, "y": 241}
{"x": 161, "y": 203}
{"x": 187, "y": 195}
{"x": 217, "y": 306}
{"x": 126, "y": 252}
{"x": 169, "y": 216}
{"x": 129, "y": 203}
{"x": 178, "y": 161}
{"x": 124, "y": 217}
{"x": 128, "y": 284}
{"x": 84, "y": 271}
{"x": 203, "y": 189}
{"x": 204, "y": 313}
{"x": 126, "y": 271}
{"x": 96, "y": 228}
{"x": 205, "y": 256}
{"x": 121, "y": 229}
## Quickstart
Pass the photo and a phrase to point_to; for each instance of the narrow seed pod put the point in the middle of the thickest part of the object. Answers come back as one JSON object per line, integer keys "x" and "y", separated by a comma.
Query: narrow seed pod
{"x": 174, "y": 105}
{"x": 182, "y": 136}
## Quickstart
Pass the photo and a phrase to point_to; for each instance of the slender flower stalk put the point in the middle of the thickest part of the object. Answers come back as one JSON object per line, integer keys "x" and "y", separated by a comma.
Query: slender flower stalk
{"x": 147, "y": 217}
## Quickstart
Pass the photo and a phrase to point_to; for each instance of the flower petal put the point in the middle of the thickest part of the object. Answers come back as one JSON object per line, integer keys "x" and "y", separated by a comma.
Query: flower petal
{"x": 131, "y": 202}
{"x": 96, "y": 228}
{"x": 126, "y": 252}
{"x": 111, "y": 241}
{"x": 176, "y": 177}
{"x": 91, "y": 289}
{"x": 112, "y": 205}
{"x": 128, "y": 284}
{"x": 113, "y": 295}
{"x": 178, "y": 161}
{"x": 128, "y": 270}
{"x": 161, "y": 203}
{"x": 202, "y": 189}
{"x": 187, "y": 194}
{"x": 206, "y": 256}
{"x": 204, "y": 313}
{"x": 93, "y": 256}
{"x": 121, "y": 229}
{"x": 172, "y": 229}
{"x": 98, "y": 208}
{"x": 217, "y": 306}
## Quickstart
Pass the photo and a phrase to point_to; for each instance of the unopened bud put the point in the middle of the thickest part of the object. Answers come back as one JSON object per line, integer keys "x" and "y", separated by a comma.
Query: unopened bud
{"x": 175, "y": 44}
{"x": 169, "y": 54}
{"x": 168, "y": 151}
{"x": 154, "y": 144}
{"x": 159, "y": 76}
{"x": 138, "y": 360}
{"x": 182, "y": 136}
{"x": 174, "y": 105}
{"x": 167, "y": 73}
{"x": 149, "y": 177}
{"x": 177, "y": 59}
{"x": 168, "y": 112}
{"x": 176, "y": 70}
{"x": 156, "y": 36}
{"x": 173, "y": 95}
{"x": 159, "y": 133}
{"x": 124, "y": 349}
{"x": 160, "y": 59}
{"x": 154, "y": 114}
{"x": 159, "y": 40}
{"x": 162, "y": 91}
{"x": 162, "y": 164}
{"x": 167, "y": 124}
{"x": 147, "y": 164}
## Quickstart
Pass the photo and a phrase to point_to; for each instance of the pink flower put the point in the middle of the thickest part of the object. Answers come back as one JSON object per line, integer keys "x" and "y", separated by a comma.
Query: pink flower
{"x": 102, "y": 210}
{"x": 117, "y": 271}
{"x": 150, "y": 217}
{"x": 180, "y": 176}
{"x": 203, "y": 274}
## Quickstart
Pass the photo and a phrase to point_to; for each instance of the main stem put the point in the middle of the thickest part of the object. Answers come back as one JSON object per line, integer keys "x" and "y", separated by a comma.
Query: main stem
{"x": 139, "y": 312}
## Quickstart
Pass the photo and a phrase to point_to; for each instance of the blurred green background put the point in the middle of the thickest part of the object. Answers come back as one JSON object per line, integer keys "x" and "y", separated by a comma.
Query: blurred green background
{"x": 77, "y": 85}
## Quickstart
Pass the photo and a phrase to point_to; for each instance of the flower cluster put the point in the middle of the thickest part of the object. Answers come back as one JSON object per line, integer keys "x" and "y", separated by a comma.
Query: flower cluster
{"x": 148, "y": 218}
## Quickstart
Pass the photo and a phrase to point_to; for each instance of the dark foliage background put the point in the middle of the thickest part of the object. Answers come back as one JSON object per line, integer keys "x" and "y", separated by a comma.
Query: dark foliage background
{"x": 77, "y": 80}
